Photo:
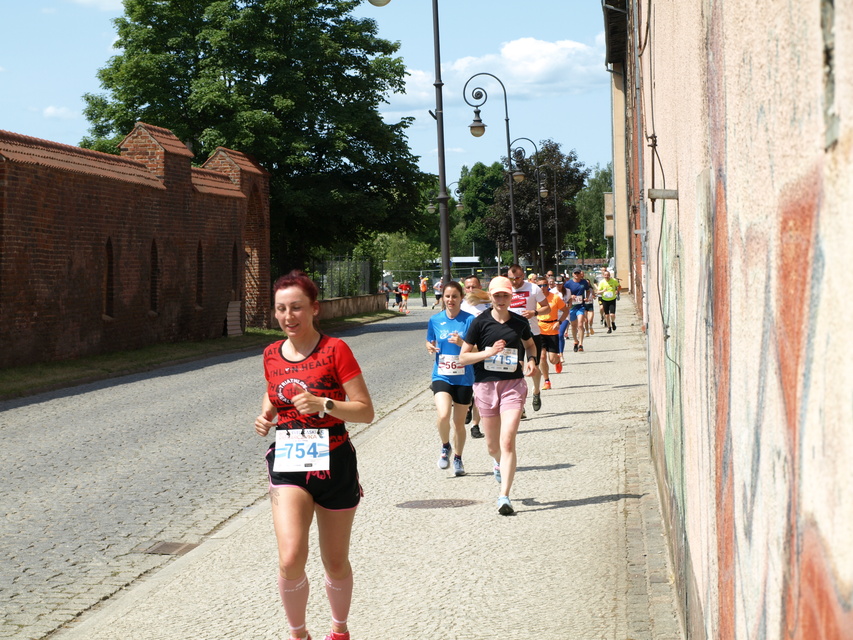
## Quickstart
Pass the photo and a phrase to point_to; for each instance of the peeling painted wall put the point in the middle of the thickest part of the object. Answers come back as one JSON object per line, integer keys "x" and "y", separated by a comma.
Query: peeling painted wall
{"x": 749, "y": 107}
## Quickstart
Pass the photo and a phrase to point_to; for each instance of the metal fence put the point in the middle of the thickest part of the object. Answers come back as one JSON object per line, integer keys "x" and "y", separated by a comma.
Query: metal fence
{"x": 341, "y": 276}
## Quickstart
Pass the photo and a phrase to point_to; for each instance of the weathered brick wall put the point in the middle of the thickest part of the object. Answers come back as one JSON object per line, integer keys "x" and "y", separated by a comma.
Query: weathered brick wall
{"x": 60, "y": 207}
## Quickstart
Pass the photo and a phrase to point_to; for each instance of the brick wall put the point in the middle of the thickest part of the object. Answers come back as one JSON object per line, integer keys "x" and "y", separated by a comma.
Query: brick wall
{"x": 80, "y": 233}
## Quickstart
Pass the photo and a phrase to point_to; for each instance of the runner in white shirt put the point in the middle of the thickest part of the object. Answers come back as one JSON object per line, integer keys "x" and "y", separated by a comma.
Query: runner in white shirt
{"x": 528, "y": 300}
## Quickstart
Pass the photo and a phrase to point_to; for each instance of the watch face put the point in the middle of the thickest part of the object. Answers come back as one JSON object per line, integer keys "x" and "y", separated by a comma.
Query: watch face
{"x": 329, "y": 404}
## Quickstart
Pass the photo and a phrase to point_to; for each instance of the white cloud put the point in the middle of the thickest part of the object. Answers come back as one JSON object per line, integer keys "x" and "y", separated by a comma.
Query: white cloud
{"x": 531, "y": 68}
{"x": 103, "y": 5}
{"x": 2, "y": 69}
{"x": 59, "y": 113}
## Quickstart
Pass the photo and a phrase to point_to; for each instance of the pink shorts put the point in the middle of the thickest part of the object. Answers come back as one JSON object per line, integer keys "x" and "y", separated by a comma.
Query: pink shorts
{"x": 492, "y": 398}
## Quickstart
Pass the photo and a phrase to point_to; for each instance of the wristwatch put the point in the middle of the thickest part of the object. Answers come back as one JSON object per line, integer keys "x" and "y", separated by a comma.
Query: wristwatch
{"x": 328, "y": 405}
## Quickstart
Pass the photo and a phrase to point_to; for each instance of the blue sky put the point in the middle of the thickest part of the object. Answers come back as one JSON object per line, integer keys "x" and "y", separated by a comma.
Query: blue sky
{"x": 548, "y": 53}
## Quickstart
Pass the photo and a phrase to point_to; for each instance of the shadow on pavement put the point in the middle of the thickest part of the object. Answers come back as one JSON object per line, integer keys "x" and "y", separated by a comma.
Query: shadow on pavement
{"x": 562, "y": 504}
{"x": 546, "y": 467}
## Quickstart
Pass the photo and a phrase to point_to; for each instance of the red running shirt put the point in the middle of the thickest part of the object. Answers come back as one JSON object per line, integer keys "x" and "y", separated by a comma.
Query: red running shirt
{"x": 323, "y": 373}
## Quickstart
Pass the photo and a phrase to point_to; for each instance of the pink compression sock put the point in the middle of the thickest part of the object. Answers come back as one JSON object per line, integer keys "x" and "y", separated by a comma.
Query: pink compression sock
{"x": 340, "y": 597}
{"x": 294, "y": 597}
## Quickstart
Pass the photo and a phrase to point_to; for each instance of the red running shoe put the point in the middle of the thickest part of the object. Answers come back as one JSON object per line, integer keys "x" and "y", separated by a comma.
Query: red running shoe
{"x": 559, "y": 367}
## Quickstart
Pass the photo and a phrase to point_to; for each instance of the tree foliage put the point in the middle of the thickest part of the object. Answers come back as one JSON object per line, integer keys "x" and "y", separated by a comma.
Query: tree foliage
{"x": 563, "y": 175}
{"x": 588, "y": 235}
{"x": 295, "y": 83}
{"x": 478, "y": 186}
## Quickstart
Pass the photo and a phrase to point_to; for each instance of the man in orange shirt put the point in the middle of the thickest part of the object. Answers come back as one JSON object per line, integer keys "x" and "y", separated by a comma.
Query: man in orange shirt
{"x": 424, "y": 286}
{"x": 549, "y": 329}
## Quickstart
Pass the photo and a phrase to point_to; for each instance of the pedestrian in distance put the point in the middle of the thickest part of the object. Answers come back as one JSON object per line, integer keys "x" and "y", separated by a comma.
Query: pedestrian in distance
{"x": 560, "y": 289}
{"x": 451, "y": 381}
{"x": 578, "y": 288}
{"x": 500, "y": 345}
{"x": 405, "y": 291}
{"x": 437, "y": 288}
{"x": 609, "y": 289}
{"x": 549, "y": 329}
{"x": 398, "y": 296}
{"x": 314, "y": 386}
{"x": 424, "y": 287}
{"x": 589, "y": 305}
{"x": 528, "y": 300}
{"x": 476, "y": 301}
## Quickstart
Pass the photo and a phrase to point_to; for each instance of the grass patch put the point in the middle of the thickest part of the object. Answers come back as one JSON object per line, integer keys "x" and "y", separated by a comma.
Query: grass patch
{"x": 27, "y": 380}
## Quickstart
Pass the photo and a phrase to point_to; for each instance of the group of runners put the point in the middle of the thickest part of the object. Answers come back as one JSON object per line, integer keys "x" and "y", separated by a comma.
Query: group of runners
{"x": 484, "y": 344}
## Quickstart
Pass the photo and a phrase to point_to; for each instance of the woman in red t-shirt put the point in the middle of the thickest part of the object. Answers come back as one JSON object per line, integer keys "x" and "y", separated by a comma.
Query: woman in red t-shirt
{"x": 314, "y": 385}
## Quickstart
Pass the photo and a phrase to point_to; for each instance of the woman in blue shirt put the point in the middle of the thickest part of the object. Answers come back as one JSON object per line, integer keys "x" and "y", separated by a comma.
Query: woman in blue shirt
{"x": 452, "y": 383}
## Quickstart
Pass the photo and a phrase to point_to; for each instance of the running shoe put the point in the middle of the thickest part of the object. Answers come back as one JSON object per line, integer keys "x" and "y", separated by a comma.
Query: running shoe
{"x": 337, "y": 636}
{"x": 591, "y": 330}
{"x": 560, "y": 367}
{"x": 580, "y": 347}
{"x": 523, "y": 414}
{"x": 476, "y": 433}
{"x": 468, "y": 415}
{"x": 576, "y": 346}
{"x": 497, "y": 471}
{"x": 609, "y": 330}
{"x": 458, "y": 469}
{"x": 308, "y": 637}
{"x": 505, "y": 506}
{"x": 444, "y": 458}
{"x": 613, "y": 326}
{"x": 547, "y": 385}
{"x": 537, "y": 401}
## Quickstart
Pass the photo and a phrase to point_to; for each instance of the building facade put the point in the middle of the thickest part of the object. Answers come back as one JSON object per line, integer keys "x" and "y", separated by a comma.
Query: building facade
{"x": 100, "y": 253}
{"x": 733, "y": 178}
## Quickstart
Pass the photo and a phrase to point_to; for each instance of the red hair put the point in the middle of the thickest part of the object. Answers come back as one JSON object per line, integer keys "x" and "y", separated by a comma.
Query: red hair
{"x": 297, "y": 278}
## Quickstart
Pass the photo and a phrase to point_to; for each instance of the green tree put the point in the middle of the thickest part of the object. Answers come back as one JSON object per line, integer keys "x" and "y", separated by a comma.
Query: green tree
{"x": 406, "y": 257}
{"x": 562, "y": 174}
{"x": 588, "y": 234}
{"x": 295, "y": 83}
{"x": 478, "y": 186}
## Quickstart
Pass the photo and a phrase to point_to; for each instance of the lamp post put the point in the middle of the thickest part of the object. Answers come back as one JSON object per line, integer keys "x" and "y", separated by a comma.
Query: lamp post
{"x": 519, "y": 151}
{"x": 442, "y": 197}
{"x": 479, "y": 97}
{"x": 457, "y": 192}
{"x": 543, "y": 191}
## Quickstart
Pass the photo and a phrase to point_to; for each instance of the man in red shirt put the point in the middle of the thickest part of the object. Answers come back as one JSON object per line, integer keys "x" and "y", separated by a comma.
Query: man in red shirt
{"x": 405, "y": 289}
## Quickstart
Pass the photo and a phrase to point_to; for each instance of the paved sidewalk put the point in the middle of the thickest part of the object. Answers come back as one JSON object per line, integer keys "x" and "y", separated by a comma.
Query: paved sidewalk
{"x": 584, "y": 557}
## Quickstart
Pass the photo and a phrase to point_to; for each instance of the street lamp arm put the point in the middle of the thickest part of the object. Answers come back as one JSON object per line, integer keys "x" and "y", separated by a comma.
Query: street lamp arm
{"x": 478, "y": 98}
{"x": 479, "y": 95}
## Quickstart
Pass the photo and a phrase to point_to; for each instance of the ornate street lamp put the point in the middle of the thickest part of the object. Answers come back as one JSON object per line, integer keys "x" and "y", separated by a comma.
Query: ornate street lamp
{"x": 442, "y": 197}
{"x": 543, "y": 191}
{"x": 457, "y": 192}
{"x": 520, "y": 153}
{"x": 478, "y": 128}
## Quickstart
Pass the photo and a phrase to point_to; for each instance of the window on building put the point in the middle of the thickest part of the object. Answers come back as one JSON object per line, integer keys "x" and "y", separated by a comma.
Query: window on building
{"x": 235, "y": 274}
{"x": 199, "y": 275}
{"x": 109, "y": 281}
{"x": 154, "y": 281}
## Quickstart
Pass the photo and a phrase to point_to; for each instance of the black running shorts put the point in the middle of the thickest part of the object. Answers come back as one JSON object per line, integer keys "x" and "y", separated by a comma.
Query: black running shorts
{"x": 460, "y": 394}
{"x": 336, "y": 489}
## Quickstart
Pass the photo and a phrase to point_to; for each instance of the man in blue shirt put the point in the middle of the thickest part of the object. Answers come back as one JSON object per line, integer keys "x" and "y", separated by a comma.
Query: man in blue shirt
{"x": 577, "y": 292}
